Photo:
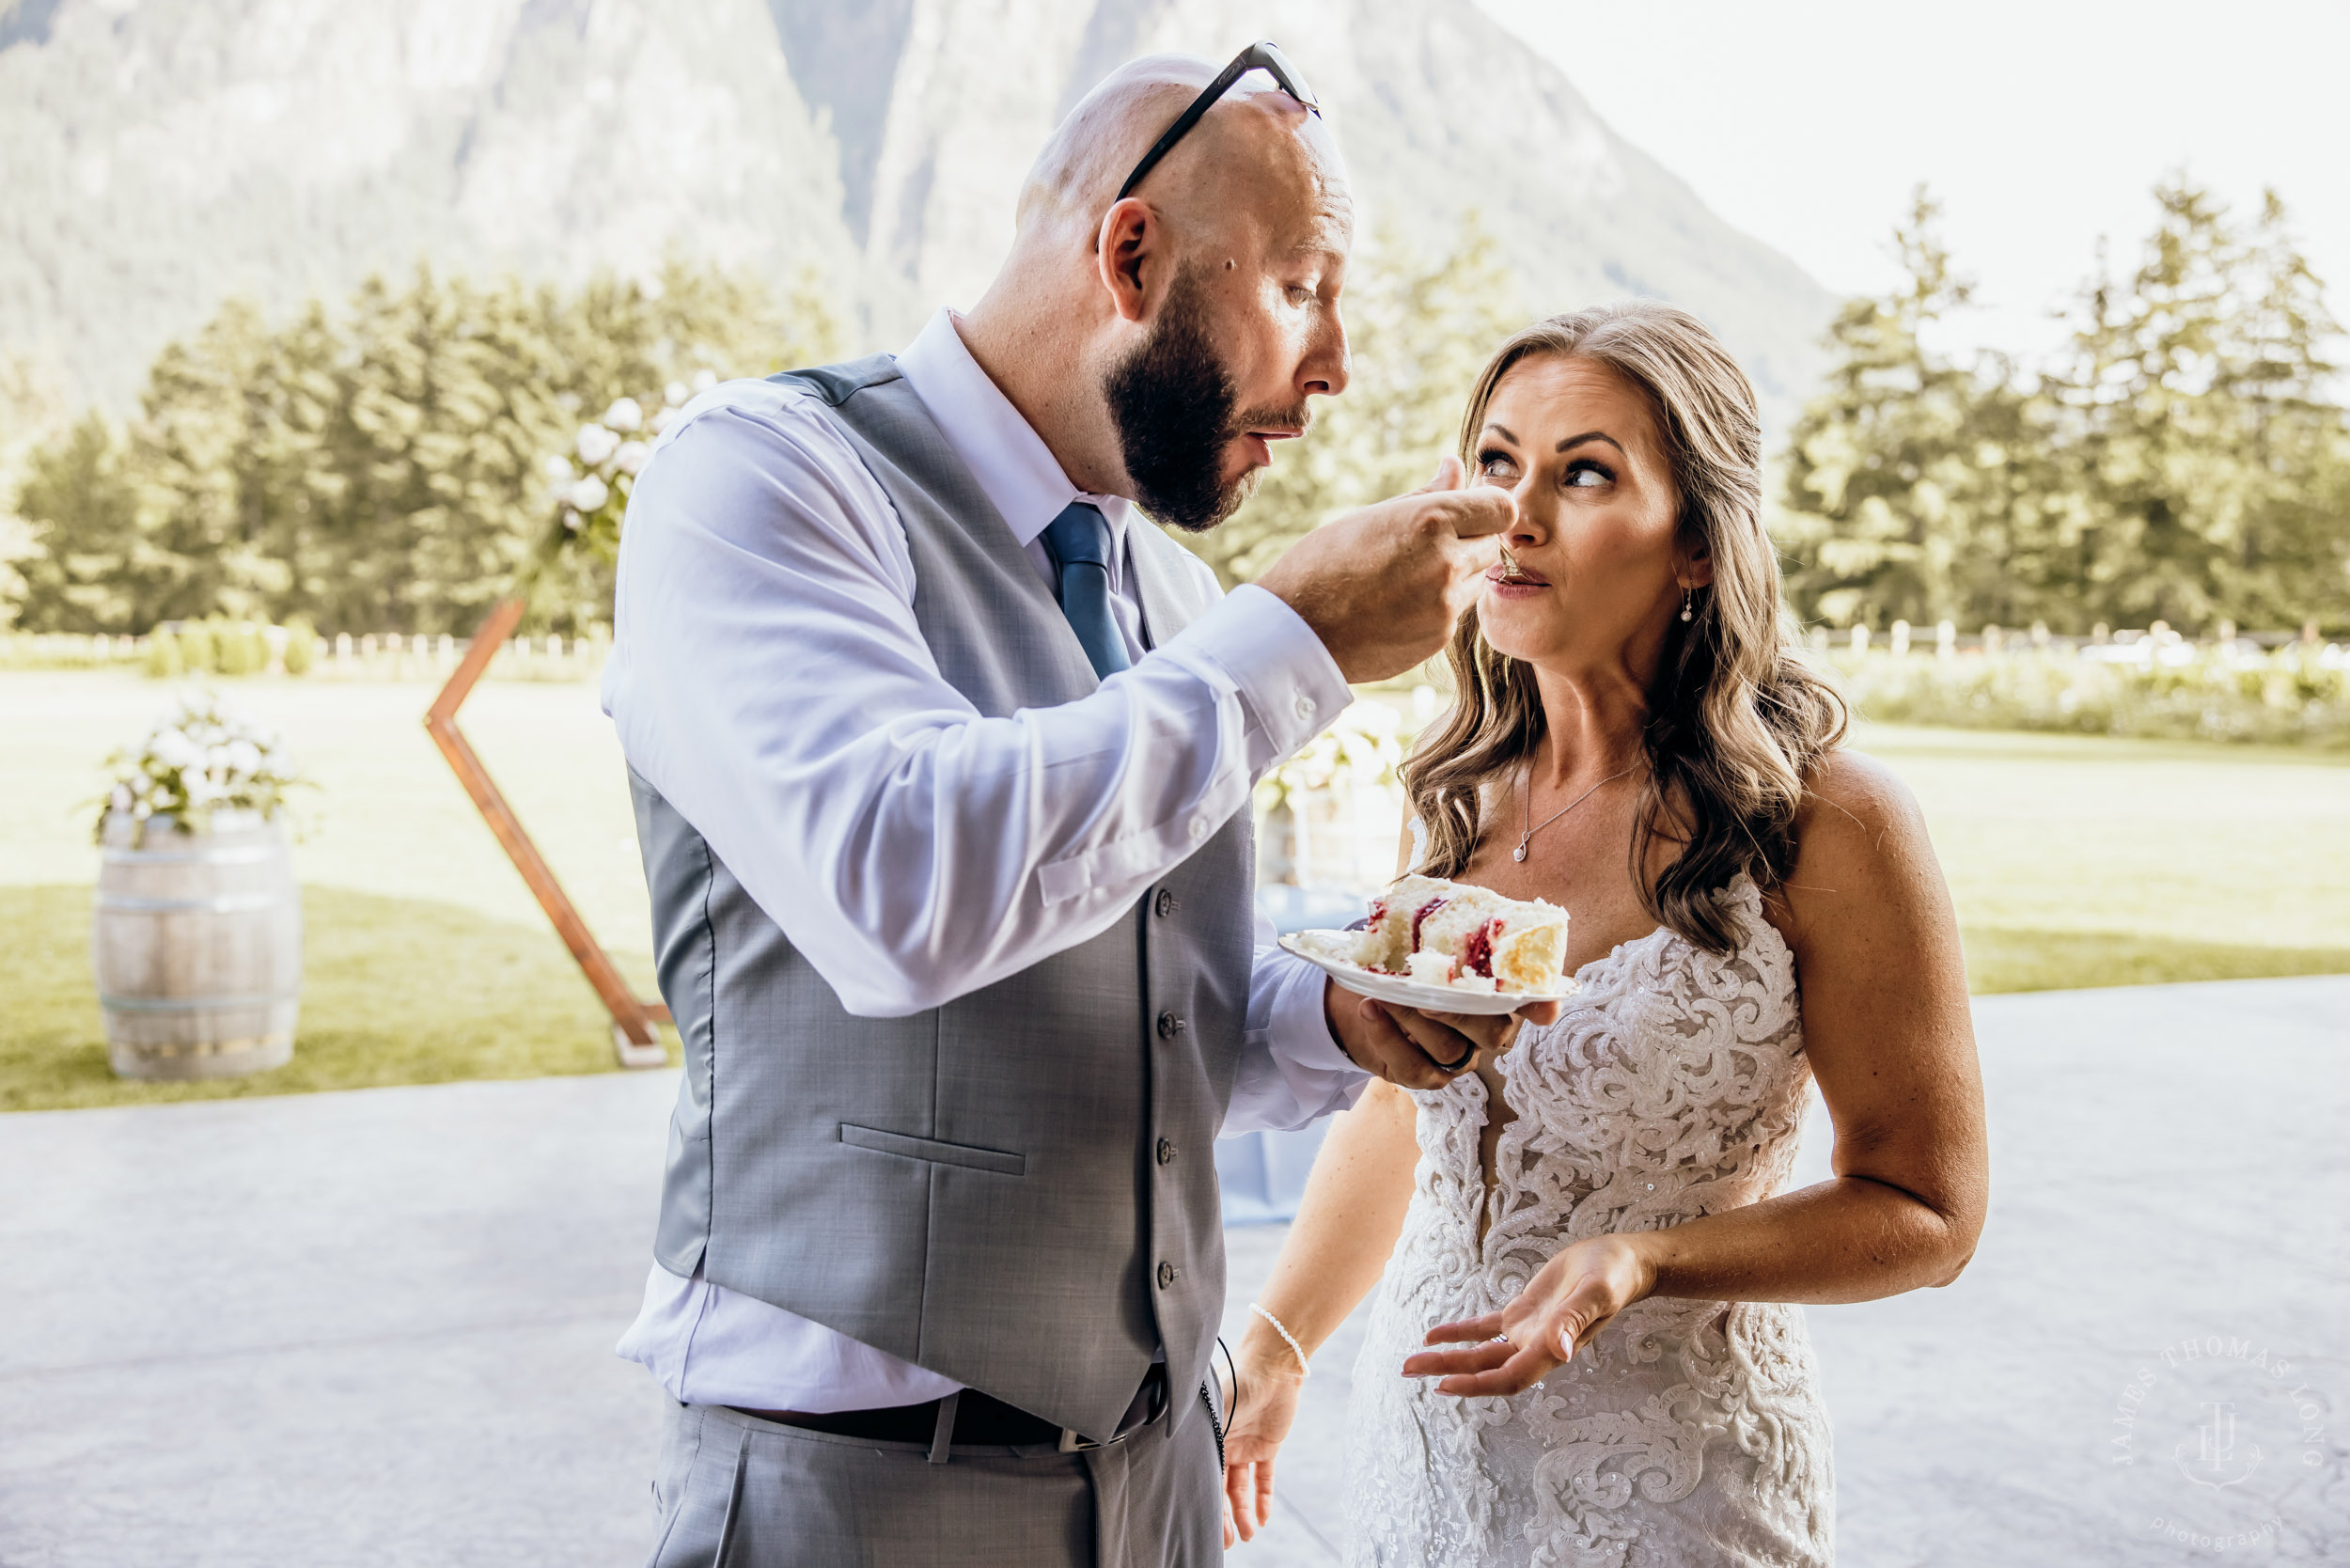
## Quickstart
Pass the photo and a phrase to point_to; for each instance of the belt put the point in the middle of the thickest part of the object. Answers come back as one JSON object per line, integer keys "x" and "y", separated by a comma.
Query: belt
{"x": 980, "y": 1419}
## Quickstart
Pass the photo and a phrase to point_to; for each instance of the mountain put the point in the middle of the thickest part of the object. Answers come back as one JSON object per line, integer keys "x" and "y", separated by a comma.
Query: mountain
{"x": 161, "y": 155}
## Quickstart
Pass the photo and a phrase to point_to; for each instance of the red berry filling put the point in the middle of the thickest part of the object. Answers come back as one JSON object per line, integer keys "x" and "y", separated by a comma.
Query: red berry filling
{"x": 1476, "y": 953}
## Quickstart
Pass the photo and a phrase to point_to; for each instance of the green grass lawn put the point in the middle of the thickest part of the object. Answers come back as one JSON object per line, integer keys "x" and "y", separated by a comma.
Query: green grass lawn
{"x": 2001, "y": 959}
{"x": 2074, "y": 861}
{"x": 395, "y": 991}
{"x": 2082, "y": 861}
{"x": 426, "y": 957}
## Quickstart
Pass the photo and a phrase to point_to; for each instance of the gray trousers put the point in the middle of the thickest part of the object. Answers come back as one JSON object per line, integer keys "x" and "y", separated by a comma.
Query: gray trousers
{"x": 737, "y": 1492}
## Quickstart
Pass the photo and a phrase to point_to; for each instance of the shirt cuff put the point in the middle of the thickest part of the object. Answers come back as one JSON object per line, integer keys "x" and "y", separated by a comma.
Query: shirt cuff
{"x": 1292, "y": 686}
{"x": 1298, "y": 1031}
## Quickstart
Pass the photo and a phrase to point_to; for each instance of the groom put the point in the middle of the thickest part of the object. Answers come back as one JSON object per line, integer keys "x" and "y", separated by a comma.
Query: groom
{"x": 942, "y": 759}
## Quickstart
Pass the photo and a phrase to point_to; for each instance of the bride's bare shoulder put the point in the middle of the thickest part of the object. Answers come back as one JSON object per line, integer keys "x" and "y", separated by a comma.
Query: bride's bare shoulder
{"x": 1852, "y": 792}
{"x": 1862, "y": 844}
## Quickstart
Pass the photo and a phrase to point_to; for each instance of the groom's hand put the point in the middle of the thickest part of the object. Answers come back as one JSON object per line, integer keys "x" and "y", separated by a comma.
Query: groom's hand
{"x": 1419, "y": 1050}
{"x": 1382, "y": 587}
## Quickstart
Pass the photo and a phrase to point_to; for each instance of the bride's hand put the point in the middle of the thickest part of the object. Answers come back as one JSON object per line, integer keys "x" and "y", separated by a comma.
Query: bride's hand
{"x": 1268, "y": 1404}
{"x": 1562, "y": 1308}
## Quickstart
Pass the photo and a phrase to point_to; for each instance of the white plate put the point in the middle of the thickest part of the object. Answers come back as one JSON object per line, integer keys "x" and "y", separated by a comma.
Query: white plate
{"x": 1327, "y": 950}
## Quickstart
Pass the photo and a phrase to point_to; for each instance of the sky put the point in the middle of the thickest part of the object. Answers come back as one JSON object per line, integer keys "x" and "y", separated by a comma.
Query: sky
{"x": 2040, "y": 126}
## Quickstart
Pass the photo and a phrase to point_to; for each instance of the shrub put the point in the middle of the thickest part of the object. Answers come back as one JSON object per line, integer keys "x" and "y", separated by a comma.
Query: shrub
{"x": 233, "y": 648}
{"x": 2167, "y": 690}
{"x": 302, "y": 645}
{"x": 165, "y": 661}
{"x": 197, "y": 653}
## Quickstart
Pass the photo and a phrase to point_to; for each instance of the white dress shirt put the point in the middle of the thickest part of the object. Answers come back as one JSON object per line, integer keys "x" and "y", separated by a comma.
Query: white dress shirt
{"x": 768, "y": 678}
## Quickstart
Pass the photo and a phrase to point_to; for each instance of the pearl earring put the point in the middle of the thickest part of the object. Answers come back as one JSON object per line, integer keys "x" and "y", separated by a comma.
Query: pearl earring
{"x": 1686, "y": 597}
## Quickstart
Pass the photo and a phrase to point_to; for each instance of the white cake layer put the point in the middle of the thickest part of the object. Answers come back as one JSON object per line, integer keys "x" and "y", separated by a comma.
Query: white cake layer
{"x": 1523, "y": 941}
{"x": 1429, "y": 968}
{"x": 1387, "y": 943}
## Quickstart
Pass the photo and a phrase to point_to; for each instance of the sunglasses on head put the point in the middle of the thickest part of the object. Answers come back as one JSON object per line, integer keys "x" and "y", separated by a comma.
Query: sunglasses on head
{"x": 1260, "y": 55}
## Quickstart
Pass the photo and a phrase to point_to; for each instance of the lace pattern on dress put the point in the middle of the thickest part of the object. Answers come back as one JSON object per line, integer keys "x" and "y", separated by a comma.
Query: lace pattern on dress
{"x": 1689, "y": 1432}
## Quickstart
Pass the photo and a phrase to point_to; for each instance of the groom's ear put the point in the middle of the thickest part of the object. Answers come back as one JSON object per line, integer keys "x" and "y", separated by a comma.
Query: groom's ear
{"x": 1132, "y": 258}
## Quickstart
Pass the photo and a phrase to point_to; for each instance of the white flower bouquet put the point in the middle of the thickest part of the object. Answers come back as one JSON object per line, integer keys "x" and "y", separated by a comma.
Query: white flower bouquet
{"x": 202, "y": 757}
{"x": 590, "y": 484}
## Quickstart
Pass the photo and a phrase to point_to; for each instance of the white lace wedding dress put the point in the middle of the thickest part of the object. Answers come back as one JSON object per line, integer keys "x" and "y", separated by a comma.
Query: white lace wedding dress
{"x": 1689, "y": 1434}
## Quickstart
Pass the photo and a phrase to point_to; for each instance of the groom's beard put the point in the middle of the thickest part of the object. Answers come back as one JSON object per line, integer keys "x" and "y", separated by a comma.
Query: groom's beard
{"x": 1174, "y": 408}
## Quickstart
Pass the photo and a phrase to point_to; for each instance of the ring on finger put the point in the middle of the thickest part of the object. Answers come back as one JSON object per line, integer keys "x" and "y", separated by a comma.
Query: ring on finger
{"x": 1456, "y": 1066}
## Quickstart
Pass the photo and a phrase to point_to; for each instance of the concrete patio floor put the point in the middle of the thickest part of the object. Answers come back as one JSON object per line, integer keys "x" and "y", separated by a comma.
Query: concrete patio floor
{"x": 376, "y": 1327}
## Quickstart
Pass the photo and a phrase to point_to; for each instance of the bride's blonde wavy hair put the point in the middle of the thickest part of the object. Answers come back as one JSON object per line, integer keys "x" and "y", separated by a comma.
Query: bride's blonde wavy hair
{"x": 1736, "y": 721}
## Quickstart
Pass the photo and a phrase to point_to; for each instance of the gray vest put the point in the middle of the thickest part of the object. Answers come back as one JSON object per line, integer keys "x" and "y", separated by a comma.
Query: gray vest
{"x": 1016, "y": 1189}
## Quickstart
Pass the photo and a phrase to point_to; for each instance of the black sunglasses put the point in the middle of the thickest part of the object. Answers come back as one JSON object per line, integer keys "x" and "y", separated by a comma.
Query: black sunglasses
{"x": 1260, "y": 55}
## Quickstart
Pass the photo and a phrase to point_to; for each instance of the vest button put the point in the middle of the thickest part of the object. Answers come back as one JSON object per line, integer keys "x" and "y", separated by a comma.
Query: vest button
{"x": 1164, "y": 903}
{"x": 1170, "y": 1026}
{"x": 1167, "y": 1275}
{"x": 1166, "y": 1152}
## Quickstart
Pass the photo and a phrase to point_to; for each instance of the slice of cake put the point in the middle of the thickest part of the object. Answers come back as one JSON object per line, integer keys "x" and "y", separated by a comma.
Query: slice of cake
{"x": 1450, "y": 934}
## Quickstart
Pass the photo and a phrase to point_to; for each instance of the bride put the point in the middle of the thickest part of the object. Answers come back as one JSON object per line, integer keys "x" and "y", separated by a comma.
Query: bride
{"x": 1587, "y": 1225}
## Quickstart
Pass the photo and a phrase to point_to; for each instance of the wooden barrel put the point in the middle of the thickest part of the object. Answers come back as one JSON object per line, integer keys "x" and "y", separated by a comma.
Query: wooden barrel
{"x": 198, "y": 944}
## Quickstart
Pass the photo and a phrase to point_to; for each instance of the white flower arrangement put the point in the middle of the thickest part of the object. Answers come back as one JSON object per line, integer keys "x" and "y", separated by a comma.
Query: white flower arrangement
{"x": 1361, "y": 746}
{"x": 589, "y": 486}
{"x": 202, "y": 757}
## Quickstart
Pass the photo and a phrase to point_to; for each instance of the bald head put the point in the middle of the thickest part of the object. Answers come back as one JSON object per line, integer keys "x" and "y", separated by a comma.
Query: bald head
{"x": 1162, "y": 344}
{"x": 1257, "y": 156}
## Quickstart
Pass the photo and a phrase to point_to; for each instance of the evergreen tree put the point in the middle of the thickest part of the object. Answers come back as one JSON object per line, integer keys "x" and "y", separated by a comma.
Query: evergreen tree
{"x": 1912, "y": 485}
{"x": 34, "y": 414}
{"x": 381, "y": 468}
{"x": 2196, "y": 429}
{"x": 208, "y": 459}
{"x": 2181, "y": 461}
{"x": 82, "y": 571}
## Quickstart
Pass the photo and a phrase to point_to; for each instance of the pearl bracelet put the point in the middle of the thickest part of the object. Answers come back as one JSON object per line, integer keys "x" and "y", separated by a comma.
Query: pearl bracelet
{"x": 1287, "y": 1338}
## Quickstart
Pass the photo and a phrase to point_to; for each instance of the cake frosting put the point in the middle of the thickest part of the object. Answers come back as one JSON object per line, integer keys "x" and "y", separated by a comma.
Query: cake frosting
{"x": 1450, "y": 934}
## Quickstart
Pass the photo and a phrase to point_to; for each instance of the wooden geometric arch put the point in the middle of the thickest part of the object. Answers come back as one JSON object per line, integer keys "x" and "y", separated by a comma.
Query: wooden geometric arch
{"x": 634, "y": 1037}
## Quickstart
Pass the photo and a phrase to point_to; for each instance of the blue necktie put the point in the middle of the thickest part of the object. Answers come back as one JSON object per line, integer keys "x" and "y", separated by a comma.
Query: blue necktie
{"x": 1079, "y": 542}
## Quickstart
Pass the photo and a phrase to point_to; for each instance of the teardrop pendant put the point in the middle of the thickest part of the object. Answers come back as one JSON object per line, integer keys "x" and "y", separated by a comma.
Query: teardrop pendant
{"x": 1519, "y": 853}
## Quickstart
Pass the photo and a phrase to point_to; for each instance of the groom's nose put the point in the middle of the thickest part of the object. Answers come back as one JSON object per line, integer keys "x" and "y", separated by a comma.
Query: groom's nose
{"x": 1326, "y": 365}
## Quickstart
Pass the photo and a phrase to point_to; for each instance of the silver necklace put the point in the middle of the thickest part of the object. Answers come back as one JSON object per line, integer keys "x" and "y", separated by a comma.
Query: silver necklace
{"x": 1526, "y": 802}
